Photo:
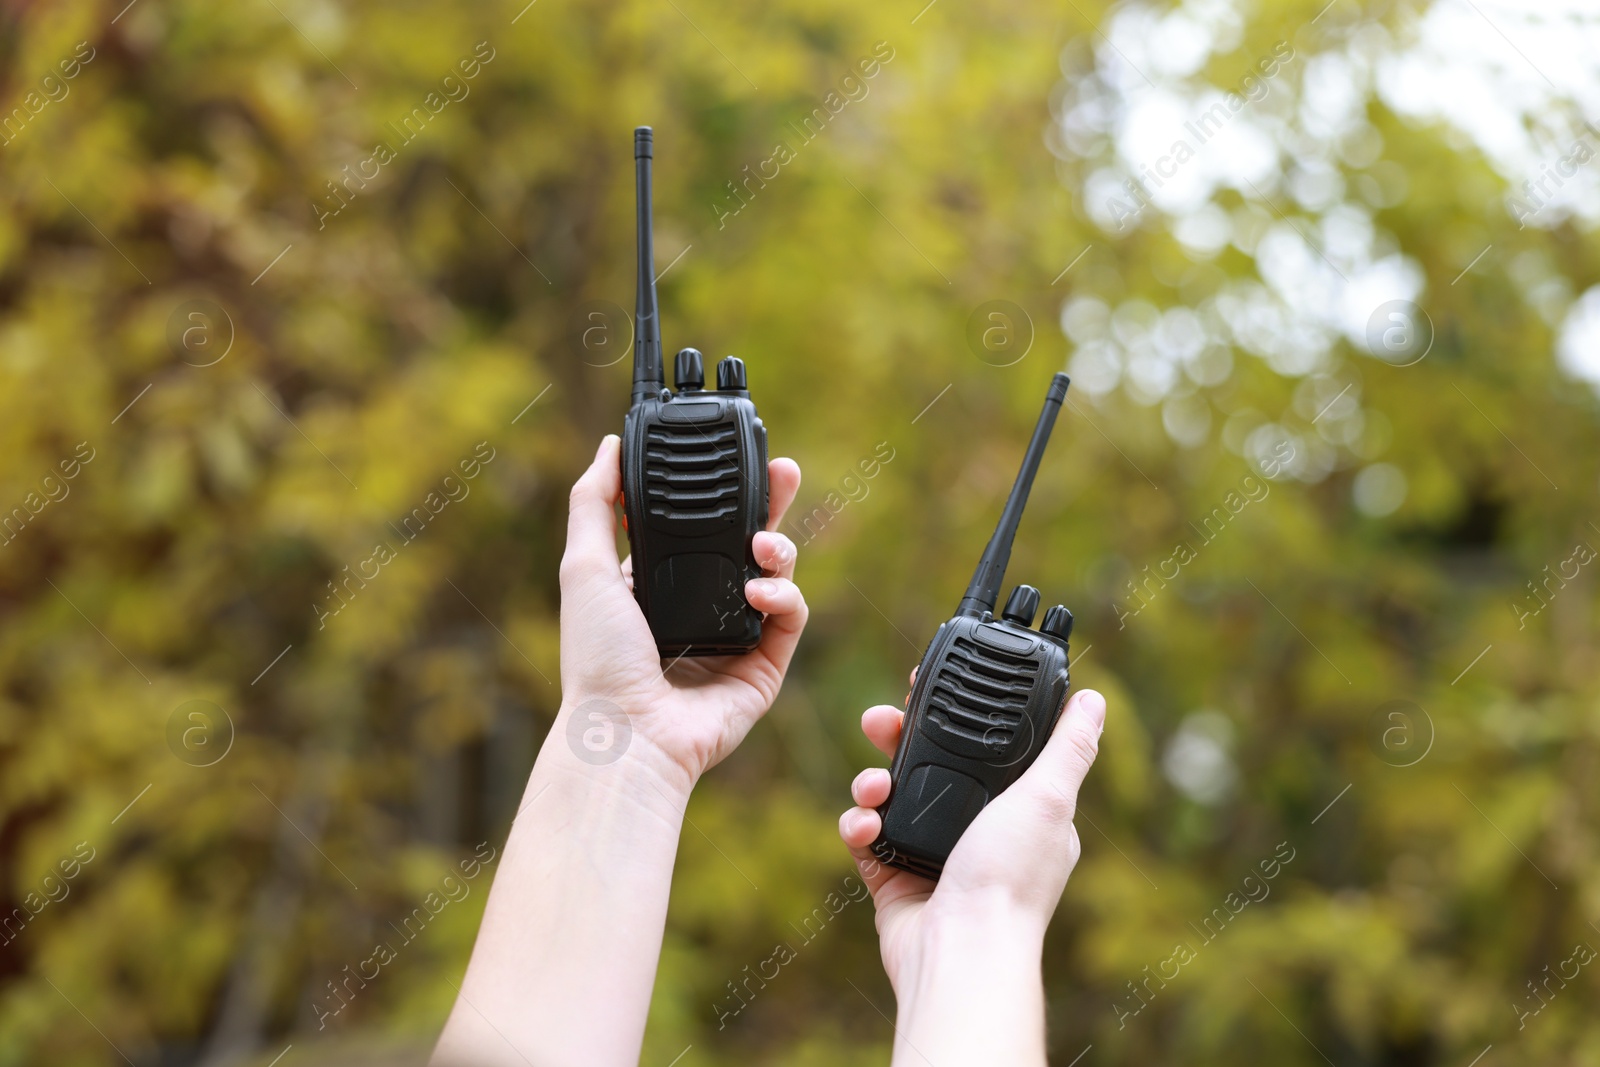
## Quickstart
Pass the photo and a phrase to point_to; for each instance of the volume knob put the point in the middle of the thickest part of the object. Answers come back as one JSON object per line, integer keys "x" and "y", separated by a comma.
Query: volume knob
{"x": 689, "y": 370}
{"x": 730, "y": 374}
{"x": 1021, "y": 605}
{"x": 1057, "y": 623}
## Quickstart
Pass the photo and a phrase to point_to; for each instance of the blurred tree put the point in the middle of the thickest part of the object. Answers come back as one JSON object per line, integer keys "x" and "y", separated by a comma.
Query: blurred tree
{"x": 270, "y": 273}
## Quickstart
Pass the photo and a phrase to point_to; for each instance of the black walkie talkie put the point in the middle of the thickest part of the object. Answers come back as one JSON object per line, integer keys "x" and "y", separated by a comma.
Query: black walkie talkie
{"x": 987, "y": 695}
{"x": 694, "y": 480}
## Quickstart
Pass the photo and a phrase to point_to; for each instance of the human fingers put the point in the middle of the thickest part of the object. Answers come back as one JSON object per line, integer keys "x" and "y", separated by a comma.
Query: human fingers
{"x": 888, "y": 885}
{"x": 786, "y": 614}
{"x": 783, "y": 482}
{"x": 774, "y": 597}
{"x": 775, "y": 554}
{"x": 871, "y": 787}
{"x": 859, "y": 827}
{"x": 882, "y": 725}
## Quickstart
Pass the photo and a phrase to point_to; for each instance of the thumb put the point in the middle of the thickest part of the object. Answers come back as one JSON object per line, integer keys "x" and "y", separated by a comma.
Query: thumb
{"x": 1044, "y": 800}
{"x": 591, "y": 519}
{"x": 1052, "y": 783}
{"x": 1025, "y": 839}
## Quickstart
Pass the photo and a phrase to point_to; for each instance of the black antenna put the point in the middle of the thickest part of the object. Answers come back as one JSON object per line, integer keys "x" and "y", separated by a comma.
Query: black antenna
{"x": 985, "y": 588}
{"x": 649, "y": 377}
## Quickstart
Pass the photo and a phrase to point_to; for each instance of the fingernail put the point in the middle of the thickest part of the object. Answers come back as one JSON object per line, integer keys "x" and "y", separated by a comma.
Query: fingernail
{"x": 762, "y": 586}
{"x": 1095, "y": 705}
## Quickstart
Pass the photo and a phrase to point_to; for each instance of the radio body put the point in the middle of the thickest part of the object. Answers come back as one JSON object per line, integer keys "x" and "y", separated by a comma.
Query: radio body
{"x": 987, "y": 695}
{"x": 694, "y": 480}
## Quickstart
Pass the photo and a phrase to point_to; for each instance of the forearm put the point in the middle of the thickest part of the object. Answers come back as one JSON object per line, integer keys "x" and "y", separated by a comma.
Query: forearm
{"x": 973, "y": 994}
{"x": 566, "y": 957}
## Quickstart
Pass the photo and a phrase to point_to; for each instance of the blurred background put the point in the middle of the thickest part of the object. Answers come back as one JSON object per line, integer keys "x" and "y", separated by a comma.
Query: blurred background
{"x": 1324, "y": 500}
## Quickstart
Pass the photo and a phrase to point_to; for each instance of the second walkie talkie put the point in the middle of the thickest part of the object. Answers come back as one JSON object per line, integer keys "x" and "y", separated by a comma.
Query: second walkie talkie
{"x": 694, "y": 480}
{"x": 986, "y": 697}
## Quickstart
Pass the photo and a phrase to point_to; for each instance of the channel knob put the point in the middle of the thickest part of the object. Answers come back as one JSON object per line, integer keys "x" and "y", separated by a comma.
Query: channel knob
{"x": 730, "y": 374}
{"x": 689, "y": 370}
{"x": 1021, "y": 605}
{"x": 1057, "y": 623}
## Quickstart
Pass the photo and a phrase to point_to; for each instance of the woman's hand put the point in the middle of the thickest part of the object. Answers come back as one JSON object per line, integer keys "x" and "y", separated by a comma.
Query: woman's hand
{"x": 968, "y": 946}
{"x": 688, "y": 714}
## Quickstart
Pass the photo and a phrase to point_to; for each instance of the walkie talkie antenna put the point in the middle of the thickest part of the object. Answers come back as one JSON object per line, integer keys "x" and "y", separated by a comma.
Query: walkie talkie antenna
{"x": 985, "y": 588}
{"x": 649, "y": 376}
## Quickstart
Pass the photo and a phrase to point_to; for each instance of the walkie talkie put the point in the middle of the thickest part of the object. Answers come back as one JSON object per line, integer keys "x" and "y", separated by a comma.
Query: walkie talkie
{"x": 987, "y": 695}
{"x": 694, "y": 479}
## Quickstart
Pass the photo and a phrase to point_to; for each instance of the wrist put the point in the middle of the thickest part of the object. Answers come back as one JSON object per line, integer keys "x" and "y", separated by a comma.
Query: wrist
{"x": 991, "y": 933}
{"x": 975, "y": 963}
{"x": 595, "y": 745}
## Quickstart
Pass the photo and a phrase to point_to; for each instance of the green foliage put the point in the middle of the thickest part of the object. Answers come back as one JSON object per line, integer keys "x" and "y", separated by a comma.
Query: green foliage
{"x": 374, "y": 349}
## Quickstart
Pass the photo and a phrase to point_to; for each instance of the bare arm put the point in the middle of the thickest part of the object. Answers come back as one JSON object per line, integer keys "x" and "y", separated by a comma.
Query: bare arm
{"x": 565, "y": 960}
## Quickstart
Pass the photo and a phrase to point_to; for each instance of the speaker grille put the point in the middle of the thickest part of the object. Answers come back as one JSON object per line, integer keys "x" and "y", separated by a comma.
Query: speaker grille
{"x": 981, "y": 694}
{"x": 692, "y": 474}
